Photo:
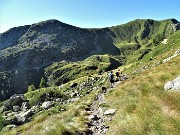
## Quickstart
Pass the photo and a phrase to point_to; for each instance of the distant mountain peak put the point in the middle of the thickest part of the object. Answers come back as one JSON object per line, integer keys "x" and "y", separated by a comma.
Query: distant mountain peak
{"x": 51, "y": 22}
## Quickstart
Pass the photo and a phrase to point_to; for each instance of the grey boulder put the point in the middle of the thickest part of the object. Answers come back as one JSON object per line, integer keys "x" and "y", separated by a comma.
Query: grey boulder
{"x": 173, "y": 85}
{"x": 47, "y": 104}
{"x": 16, "y": 108}
{"x": 110, "y": 112}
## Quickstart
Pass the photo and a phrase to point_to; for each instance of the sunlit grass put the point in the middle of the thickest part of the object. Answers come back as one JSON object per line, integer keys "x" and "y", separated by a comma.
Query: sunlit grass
{"x": 143, "y": 105}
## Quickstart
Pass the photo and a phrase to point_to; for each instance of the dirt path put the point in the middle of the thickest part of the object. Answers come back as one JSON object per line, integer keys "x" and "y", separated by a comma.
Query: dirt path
{"x": 97, "y": 118}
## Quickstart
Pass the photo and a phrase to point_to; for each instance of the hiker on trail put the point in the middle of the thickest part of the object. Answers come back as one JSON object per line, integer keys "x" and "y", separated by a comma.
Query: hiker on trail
{"x": 104, "y": 90}
{"x": 111, "y": 79}
{"x": 124, "y": 77}
{"x": 121, "y": 76}
{"x": 118, "y": 75}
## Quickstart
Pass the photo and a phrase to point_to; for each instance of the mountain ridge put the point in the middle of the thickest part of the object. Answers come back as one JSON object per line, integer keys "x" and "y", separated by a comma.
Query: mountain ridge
{"x": 47, "y": 23}
{"x": 25, "y": 51}
{"x": 55, "y": 20}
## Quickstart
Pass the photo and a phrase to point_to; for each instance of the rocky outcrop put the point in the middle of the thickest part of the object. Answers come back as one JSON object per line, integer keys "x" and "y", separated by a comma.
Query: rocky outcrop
{"x": 165, "y": 41}
{"x": 16, "y": 99}
{"x": 17, "y": 110}
{"x": 177, "y": 26}
{"x": 173, "y": 85}
{"x": 25, "y": 106}
{"x": 13, "y": 103}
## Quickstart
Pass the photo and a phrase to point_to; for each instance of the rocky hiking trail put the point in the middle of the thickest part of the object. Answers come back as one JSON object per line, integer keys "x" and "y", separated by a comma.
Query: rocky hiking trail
{"x": 98, "y": 115}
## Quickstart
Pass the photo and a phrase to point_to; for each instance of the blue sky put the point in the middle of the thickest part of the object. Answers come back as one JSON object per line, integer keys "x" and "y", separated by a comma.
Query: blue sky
{"x": 85, "y": 13}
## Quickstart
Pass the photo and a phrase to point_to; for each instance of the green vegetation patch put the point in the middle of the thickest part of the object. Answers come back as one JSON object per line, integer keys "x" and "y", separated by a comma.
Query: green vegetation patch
{"x": 39, "y": 95}
{"x": 60, "y": 73}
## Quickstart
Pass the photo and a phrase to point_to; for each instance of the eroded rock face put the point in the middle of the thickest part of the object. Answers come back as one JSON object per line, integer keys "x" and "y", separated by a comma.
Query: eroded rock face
{"x": 173, "y": 85}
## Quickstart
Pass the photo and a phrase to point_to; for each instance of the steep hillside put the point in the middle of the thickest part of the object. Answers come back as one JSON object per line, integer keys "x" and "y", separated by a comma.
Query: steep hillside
{"x": 143, "y": 106}
{"x": 138, "y": 37}
{"x": 12, "y": 36}
{"x": 26, "y": 51}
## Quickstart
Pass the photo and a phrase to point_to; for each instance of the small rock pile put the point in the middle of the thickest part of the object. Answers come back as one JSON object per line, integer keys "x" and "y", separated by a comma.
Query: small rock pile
{"x": 17, "y": 110}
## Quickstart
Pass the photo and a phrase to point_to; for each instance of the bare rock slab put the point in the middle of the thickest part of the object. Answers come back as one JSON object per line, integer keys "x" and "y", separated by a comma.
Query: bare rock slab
{"x": 110, "y": 112}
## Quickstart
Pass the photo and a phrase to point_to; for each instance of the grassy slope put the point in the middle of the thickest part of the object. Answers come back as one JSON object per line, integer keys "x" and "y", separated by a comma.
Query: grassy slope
{"x": 157, "y": 53}
{"x": 141, "y": 31}
{"x": 143, "y": 107}
{"x": 138, "y": 36}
